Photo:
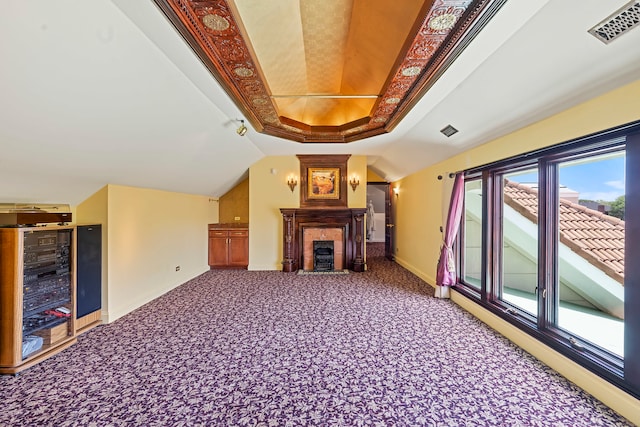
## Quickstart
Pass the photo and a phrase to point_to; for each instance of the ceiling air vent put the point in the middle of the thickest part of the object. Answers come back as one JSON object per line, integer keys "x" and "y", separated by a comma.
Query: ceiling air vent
{"x": 619, "y": 23}
{"x": 449, "y": 130}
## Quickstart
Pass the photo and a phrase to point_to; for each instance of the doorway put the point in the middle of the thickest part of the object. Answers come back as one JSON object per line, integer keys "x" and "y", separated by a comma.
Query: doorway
{"x": 380, "y": 230}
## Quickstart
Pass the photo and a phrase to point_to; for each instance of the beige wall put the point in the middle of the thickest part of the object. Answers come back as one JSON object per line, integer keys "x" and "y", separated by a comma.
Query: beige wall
{"x": 148, "y": 234}
{"x": 268, "y": 192}
{"x": 419, "y": 205}
{"x": 357, "y": 165}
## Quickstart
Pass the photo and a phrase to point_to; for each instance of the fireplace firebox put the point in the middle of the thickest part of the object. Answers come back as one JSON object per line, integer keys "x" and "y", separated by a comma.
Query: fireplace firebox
{"x": 323, "y": 255}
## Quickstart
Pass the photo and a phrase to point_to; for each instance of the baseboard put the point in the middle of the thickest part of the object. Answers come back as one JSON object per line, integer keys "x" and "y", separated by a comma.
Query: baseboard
{"x": 421, "y": 274}
{"x": 264, "y": 267}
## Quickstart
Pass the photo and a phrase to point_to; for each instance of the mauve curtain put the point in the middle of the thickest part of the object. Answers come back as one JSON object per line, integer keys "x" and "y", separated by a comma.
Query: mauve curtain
{"x": 446, "y": 273}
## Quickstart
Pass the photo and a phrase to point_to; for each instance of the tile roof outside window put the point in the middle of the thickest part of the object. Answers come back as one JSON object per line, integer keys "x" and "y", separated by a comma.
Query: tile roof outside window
{"x": 594, "y": 235}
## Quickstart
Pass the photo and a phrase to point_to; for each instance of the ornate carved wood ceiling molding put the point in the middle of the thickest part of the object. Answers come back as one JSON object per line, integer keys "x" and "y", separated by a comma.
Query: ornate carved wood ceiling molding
{"x": 440, "y": 33}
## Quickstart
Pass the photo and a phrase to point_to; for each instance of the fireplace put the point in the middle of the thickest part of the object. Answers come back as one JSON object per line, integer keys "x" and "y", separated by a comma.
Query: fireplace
{"x": 344, "y": 228}
{"x": 323, "y": 255}
{"x": 311, "y": 233}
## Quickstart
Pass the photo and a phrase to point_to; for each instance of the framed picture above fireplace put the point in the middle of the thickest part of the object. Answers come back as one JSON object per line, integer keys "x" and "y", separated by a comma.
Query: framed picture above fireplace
{"x": 323, "y": 180}
{"x": 323, "y": 183}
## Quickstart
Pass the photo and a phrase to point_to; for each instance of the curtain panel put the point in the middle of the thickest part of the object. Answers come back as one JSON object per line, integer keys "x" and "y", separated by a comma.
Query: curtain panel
{"x": 446, "y": 270}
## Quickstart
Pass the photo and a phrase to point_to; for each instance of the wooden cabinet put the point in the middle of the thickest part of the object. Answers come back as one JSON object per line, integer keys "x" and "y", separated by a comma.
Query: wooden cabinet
{"x": 37, "y": 294}
{"x": 228, "y": 247}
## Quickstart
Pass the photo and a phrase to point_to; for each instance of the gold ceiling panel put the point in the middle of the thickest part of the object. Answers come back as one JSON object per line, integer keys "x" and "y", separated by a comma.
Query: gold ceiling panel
{"x": 330, "y": 70}
{"x": 273, "y": 30}
{"x": 324, "y": 111}
{"x": 325, "y": 28}
{"x": 377, "y": 38}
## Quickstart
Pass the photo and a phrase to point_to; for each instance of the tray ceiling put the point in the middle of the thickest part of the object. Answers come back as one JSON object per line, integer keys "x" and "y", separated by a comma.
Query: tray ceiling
{"x": 330, "y": 71}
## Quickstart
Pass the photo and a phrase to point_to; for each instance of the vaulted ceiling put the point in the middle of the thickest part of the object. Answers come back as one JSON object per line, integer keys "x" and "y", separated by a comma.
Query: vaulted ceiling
{"x": 114, "y": 91}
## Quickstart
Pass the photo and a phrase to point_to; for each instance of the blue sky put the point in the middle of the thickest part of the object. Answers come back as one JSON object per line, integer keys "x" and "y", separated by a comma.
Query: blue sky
{"x": 594, "y": 180}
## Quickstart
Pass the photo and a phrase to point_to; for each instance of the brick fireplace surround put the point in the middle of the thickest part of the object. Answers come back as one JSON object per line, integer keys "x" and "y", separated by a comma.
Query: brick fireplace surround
{"x": 345, "y": 227}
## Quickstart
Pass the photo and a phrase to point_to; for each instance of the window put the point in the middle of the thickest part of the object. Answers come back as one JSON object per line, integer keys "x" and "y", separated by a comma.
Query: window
{"x": 519, "y": 242}
{"x": 473, "y": 233}
{"x": 590, "y": 242}
{"x": 543, "y": 244}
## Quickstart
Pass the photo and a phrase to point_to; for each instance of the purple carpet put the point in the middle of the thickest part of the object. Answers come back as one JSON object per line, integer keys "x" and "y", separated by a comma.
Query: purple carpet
{"x": 248, "y": 348}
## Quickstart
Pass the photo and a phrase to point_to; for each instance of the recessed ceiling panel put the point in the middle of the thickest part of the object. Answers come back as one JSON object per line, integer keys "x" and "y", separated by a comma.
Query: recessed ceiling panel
{"x": 331, "y": 70}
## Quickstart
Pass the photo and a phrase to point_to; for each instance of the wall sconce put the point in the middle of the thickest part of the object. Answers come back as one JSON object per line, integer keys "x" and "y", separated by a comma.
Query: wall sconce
{"x": 242, "y": 130}
{"x": 396, "y": 191}
{"x": 354, "y": 181}
{"x": 292, "y": 181}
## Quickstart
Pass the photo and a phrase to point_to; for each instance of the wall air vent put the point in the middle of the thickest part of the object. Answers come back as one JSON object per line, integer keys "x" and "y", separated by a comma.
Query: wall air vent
{"x": 619, "y": 23}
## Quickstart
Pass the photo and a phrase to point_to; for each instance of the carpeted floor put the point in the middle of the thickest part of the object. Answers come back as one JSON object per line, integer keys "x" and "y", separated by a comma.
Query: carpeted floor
{"x": 248, "y": 348}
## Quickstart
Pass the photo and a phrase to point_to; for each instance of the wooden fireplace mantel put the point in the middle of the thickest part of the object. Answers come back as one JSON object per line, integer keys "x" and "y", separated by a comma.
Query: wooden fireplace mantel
{"x": 351, "y": 221}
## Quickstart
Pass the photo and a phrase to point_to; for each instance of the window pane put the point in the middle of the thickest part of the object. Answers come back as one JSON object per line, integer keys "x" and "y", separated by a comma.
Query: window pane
{"x": 520, "y": 240}
{"x": 591, "y": 250}
{"x": 473, "y": 233}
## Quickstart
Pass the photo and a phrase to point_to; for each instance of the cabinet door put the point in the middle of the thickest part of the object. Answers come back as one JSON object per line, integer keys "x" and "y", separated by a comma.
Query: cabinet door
{"x": 239, "y": 248}
{"x": 218, "y": 248}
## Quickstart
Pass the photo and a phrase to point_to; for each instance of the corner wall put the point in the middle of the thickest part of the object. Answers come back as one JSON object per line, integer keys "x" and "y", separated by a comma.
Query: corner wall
{"x": 235, "y": 204}
{"x": 149, "y": 234}
{"x": 420, "y": 201}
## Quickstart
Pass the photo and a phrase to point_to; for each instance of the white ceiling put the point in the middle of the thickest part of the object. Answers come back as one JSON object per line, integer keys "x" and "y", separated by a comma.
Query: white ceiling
{"x": 96, "y": 92}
